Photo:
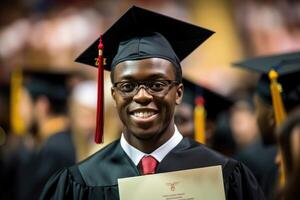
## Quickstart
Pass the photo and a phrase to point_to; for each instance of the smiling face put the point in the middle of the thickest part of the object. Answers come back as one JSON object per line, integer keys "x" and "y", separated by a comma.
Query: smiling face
{"x": 147, "y": 118}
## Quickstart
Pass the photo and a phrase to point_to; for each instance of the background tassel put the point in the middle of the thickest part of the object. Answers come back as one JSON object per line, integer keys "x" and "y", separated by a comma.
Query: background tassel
{"x": 100, "y": 98}
{"x": 17, "y": 124}
{"x": 199, "y": 120}
{"x": 275, "y": 87}
{"x": 279, "y": 111}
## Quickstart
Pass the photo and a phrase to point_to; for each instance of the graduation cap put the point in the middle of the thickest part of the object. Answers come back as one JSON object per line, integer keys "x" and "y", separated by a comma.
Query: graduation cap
{"x": 279, "y": 84}
{"x": 140, "y": 34}
{"x": 52, "y": 85}
{"x": 207, "y": 104}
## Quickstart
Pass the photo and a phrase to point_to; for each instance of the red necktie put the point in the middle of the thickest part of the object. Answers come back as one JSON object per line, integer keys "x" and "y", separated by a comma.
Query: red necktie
{"x": 148, "y": 165}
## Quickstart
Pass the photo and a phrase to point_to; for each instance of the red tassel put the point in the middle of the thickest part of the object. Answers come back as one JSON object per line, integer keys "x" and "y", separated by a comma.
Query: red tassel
{"x": 100, "y": 100}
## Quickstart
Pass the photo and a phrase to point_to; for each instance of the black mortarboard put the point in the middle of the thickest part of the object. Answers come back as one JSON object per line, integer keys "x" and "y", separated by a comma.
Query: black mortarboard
{"x": 50, "y": 84}
{"x": 141, "y": 34}
{"x": 199, "y": 97}
{"x": 214, "y": 103}
{"x": 38, "y": 83}
{"x": 287, "y": 71}
{"x": 290, "y": 84}
{"x": 53, "y": 85}
{"x": 282, "y": 63}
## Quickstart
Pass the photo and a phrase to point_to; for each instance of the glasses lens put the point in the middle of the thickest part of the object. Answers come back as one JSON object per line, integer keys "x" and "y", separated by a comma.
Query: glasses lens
{"x": 158, "y": 86}
{"x": 127, "y": 87}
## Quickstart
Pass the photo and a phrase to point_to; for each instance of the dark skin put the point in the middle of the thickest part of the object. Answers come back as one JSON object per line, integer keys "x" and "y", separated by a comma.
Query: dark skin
{"x": 184, "y": 118}
{"x": 149, "y": 132}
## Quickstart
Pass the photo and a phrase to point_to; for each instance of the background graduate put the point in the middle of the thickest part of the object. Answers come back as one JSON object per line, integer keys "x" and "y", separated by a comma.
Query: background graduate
{"x": 269, "y": 111}
{"x": 44, "y": 97}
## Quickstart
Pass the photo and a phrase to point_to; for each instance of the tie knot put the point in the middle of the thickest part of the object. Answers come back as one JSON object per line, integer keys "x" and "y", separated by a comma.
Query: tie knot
{"x": 148, "y": 165}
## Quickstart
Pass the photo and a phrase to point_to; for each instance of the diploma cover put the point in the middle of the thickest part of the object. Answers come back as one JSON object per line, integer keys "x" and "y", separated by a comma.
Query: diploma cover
{"x": 193, "y": 184}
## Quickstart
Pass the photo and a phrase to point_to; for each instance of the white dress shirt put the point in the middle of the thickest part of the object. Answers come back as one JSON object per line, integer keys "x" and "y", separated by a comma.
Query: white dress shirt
{"x": 136, "y": 155}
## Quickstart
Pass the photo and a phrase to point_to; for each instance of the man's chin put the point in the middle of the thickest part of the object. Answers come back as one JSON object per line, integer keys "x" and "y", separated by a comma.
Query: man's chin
{"x": 144, "y": 134}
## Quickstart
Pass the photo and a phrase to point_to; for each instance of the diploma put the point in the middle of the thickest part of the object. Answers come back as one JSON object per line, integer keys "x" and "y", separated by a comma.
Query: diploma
{"x": 193, "y": 184}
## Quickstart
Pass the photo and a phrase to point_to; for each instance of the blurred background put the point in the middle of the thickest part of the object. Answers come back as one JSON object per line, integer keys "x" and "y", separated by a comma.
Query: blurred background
{"x": 45, "y": 36}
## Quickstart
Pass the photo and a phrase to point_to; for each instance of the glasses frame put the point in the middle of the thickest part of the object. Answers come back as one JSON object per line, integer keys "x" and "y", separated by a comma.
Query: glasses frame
{"x": 145, "y": 84}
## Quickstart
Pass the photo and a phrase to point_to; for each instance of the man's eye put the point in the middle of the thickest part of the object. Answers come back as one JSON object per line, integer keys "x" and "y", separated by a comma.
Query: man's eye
{"x": 127, "y": 87}
{"x": 157, "y": 86}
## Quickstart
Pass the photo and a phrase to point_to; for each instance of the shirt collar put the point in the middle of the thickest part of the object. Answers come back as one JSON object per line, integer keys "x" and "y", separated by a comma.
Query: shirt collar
{"x": 136, "y": 155}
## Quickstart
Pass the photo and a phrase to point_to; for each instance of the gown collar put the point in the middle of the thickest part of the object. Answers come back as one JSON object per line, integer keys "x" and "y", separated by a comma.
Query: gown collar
{"x": 136, "y": 155}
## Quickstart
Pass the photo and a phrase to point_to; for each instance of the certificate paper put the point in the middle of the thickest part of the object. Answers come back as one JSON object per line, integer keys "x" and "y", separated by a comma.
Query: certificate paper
{"x": 194, "y": 184}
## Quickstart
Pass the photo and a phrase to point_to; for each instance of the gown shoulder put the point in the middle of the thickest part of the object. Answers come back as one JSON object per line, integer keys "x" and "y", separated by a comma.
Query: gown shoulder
{"x": 240, "y": 183}
{"x": 69, "y": 184}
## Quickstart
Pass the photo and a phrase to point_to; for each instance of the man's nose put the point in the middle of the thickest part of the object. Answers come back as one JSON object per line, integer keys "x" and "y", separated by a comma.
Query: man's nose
{"x": 142, "y": 96}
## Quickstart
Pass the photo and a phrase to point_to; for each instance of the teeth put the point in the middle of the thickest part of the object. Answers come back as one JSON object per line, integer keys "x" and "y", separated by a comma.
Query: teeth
{"x": 143, "y": 114}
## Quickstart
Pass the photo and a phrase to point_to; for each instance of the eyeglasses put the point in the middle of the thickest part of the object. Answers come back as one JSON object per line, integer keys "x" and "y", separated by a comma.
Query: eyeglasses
{"x": 153, "y": 87}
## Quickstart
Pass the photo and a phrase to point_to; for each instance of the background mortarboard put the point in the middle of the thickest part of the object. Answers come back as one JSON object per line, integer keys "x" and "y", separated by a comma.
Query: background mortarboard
{"x": 285, "y": 70}
{"x": 214, "y": 103}
{"x": 288, "y": 68}
{"x": 200, "y": 97}
{"x": 283, "y": 63}
{"x": 140, "y": 34}
{"x": 53, "y": 85}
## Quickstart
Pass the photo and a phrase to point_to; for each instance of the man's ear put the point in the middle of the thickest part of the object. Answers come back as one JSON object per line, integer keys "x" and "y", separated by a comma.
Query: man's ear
{"x": 179, "y": 93}
{"x": 113, "y": 94}
{"x": 112, "y": 91}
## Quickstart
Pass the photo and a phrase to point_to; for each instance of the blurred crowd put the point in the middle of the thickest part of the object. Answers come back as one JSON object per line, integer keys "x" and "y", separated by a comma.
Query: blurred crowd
{"x": 48, "y": 102}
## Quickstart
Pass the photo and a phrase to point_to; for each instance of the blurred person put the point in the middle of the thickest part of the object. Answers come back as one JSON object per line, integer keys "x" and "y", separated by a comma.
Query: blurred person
{"x": 287, "y": 67}
{"x": 46, "y": 94}
{"x": 83, "y": 116}
{"x": 17, "y": 147}
{"x": 288, "y": 135}
{"x": 250, "y": 150}
{"x": 243, "y": 124}
{"x": 213, "y": 104}
{"x": 277, "y": 94}
{"x": 83, "y": 108}
{"x": 144, "y": 57}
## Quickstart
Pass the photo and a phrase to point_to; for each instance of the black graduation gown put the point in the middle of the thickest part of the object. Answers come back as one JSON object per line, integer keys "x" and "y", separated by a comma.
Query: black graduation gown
{"x": 260, "y": 159}
{"x": 96, "y": 177}
{"x": 56, "y": 153}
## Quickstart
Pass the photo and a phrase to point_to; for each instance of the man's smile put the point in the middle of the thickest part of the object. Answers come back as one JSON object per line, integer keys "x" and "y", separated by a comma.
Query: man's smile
{"x": 143, "y": 114}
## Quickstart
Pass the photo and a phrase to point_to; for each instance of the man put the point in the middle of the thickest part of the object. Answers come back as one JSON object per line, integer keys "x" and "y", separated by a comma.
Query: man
{"x": 143, "y": 50}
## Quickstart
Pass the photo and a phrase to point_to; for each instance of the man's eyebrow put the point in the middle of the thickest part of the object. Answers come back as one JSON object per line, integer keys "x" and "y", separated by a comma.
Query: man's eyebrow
{"x": 157, "y": 76}
{"x": 150, "y": 77}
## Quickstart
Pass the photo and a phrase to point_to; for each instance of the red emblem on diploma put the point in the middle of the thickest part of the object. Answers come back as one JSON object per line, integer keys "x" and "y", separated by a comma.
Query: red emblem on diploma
{"x": 172, "y": 185}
